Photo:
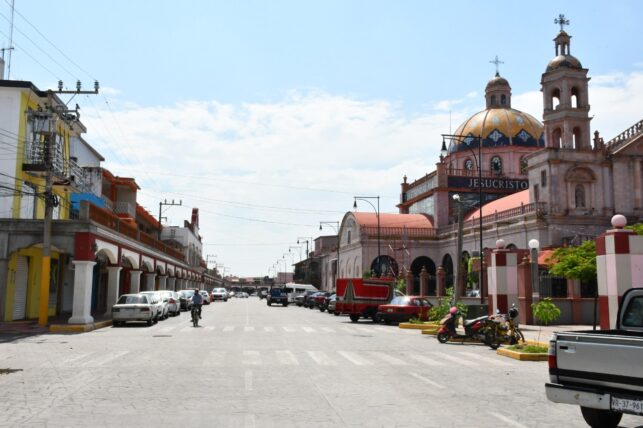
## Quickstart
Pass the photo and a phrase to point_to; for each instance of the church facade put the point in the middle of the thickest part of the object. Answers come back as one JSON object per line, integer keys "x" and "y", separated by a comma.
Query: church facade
{"x": 506, "y": 176}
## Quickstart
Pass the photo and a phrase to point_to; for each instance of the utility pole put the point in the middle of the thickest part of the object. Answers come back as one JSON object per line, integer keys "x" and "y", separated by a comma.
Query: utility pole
{"x": 169, "y": 204}
{"x": 51, "y": 200}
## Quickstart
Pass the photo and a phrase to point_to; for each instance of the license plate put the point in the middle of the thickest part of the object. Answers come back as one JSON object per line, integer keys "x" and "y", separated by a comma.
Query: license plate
{"x": 626, "y": 405}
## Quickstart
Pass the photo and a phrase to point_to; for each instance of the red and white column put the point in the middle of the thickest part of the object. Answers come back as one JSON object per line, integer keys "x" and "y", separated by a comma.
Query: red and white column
{"x": 502, "y": 278}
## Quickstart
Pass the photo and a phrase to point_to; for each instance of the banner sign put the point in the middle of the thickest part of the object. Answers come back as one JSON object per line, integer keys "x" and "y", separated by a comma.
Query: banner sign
{"x": 488, "y": 183}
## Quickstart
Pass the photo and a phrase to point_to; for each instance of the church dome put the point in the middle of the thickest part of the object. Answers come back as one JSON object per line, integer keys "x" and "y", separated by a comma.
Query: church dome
{"x": 499, "y": 127}
{"x": 497, "y": 81}
{"x": 564, "y": 61}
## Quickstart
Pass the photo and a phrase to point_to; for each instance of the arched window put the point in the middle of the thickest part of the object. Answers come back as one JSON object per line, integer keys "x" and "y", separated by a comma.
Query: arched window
{"x": 523, "y": 165}
{"x": 493, "y": 100}
{"x": 348, "y": 237}
{"x": 574, "y": 98}
{"x": 579, "y": 196}
{"x": 555, "y": 98}
{"x": 496, "y": 164}
{"x": 503, "y": 99}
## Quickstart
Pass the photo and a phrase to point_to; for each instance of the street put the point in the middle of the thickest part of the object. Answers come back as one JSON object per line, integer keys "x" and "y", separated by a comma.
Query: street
{"x": 250, "y": 365}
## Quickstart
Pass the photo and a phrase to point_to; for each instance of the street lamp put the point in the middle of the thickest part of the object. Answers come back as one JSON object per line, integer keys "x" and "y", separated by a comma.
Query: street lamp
{"x": 335, "y": 226}
{"x": 305, "y": 239}
{"x": 294, "y": 246}
{"x": 458, "y": 262}
{"x": 377, "y": 212}
{"x": 533, "y": 245}
{"x": 467, "y": 139}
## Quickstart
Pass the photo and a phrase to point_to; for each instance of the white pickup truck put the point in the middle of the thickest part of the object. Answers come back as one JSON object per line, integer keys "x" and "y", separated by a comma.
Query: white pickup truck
{"x": 601, "y": 371}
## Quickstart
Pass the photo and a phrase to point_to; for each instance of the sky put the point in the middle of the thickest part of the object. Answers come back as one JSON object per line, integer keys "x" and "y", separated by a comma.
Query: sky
{"x": 270, "y": 116}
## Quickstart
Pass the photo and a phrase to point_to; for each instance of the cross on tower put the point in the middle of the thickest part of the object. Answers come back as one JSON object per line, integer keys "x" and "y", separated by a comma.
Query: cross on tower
{"x": 561, "y": 21}
{"x": 497, "y": 62}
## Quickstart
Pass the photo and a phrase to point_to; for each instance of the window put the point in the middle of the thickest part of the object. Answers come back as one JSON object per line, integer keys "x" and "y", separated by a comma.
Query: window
{"x": 503, "y": 99}
{"x": 496, "y": 164}
{"x": 579, "y": 196}
{"x": 468, "y": 165}
{"x": 523, "y": 165}
{"x": 536, "y": 193}
{"x": 348, "y": 237}
{"x": 543, "y": 178}
{"x": 493, "y": 100}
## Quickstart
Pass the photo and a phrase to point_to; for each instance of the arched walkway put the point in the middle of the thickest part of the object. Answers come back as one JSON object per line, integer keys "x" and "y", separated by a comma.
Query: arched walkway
{"x": 416, "y": 268}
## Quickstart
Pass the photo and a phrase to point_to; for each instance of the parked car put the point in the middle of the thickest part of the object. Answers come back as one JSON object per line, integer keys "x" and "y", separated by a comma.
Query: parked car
{"x": 206, "y": 297}
{"x": 219, "y": 294}
{"x": 311, "y": 302}
{"x": 302, "y": 299}
{"x": 324, "y": 305}
{"x": 403, "y": 308}
{"x": 157, "y": 300}
{"x": 173, "y": 303}
{"x": 133, "y": 307}
{"x": 242, "y": 295}
{"x": 331, "y": 304}
{"x": 319, "y": 301}
{"x": 185, "y": 297}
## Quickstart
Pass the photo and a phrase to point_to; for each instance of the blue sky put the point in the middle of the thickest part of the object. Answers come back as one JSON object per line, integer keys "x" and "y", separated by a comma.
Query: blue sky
{"x": 270, "y": 115}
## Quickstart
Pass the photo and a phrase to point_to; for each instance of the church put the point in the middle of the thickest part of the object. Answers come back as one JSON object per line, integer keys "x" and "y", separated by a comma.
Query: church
{"x": 504, "y": 178}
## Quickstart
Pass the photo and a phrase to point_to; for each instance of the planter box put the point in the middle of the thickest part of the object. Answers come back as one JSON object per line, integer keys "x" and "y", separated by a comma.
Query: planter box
{"x": 522, "y": 356}
{"x": 422, "y": 326}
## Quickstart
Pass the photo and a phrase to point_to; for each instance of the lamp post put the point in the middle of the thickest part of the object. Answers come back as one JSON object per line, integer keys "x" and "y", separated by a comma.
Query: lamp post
{"x": 533, "y": 246}
{"x": 307, "y": 240}
{"x": 458, "y": 261}
{"x": 295, "y": 246}
{"x": 467, "y": 139}
{"x": 335, "y": 226}
{"x": 377, "y": 212}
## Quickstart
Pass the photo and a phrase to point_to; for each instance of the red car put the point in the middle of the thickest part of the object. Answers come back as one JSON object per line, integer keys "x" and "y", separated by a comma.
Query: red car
{"x": 403, "y": 308}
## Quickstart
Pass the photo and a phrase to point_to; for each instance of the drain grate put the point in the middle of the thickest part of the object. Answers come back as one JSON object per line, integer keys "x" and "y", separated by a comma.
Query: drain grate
{"x": 9, "y": 371}
{"x": 161, "y": 335}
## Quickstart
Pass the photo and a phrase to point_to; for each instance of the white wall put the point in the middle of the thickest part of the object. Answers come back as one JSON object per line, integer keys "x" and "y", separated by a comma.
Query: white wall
{"x": 9, "y": 120}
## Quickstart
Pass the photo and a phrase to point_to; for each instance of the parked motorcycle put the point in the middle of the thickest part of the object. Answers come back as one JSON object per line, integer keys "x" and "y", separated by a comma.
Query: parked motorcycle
{"x": 507, "y": 327}
{"x": 481, "y": 328}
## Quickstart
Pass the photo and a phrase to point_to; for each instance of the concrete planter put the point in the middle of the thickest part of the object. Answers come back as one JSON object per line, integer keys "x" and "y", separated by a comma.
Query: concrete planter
{"x": 421, "y": 326}
{"x": 522, "y": 356}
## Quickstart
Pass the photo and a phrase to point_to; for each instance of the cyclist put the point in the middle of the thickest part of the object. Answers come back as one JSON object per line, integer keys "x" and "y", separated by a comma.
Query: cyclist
{"x": 197, "y": 300}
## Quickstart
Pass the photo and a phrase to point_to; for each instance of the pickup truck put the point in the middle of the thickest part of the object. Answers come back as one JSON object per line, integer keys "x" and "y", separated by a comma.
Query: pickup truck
{"x": 277, "y": 295}
{"x": 601, "y": 371}
{"x": 357, "y": 297}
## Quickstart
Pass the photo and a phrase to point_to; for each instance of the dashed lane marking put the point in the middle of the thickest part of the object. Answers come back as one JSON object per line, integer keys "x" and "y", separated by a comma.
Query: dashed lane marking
{"x": 209, "y": 328}
{"x": 104, "y": 360}
{"x": 308, "y": 329}
{"x": 507, "y": 420}
{"x": 328, "y": 329}
{"x": 252, "y": 358}
{"x": 457, "y": 360}
{"x": 426, "y": 360}
{"x": 355, "y": 359}
{"x": 248, "y": 328}
{"x": 388, "y": 358}
{"x": 490, "y": 360}
{"x": 287, "y": 358}
{"x": 289, "y": 329}
{"x": 427, "y": 380}
{"x": 320, "y": 358}
{"x": 228, "y": 328}
{"x": 269, "y": 329}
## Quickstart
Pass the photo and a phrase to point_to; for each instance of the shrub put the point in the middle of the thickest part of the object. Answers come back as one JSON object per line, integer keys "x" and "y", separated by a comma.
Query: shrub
{"x": 439, "y": 311}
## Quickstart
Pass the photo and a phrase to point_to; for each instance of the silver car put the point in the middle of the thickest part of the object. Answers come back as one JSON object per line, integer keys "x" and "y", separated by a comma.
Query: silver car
{"x": 159, "y": 303}
{"x": 173, "y": 302}
{"x": 133, "y": 307}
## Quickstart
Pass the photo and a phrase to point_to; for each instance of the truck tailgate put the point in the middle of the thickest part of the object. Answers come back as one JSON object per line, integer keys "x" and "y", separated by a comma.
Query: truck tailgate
{"x": 607, "y": 361}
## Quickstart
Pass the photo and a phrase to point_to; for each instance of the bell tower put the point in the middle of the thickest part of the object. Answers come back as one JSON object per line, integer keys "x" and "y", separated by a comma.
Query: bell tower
{"x": 565, "y": 97}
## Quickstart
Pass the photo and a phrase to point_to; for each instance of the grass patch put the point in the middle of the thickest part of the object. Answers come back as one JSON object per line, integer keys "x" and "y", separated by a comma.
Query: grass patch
{"x": 528, "y": 349}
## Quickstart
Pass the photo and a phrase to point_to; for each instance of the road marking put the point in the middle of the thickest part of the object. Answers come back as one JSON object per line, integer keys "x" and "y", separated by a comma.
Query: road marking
{"x": 287, "y": 358}
{"x": 168, "y": 329}
{"x": 248, "y": 328}
{"x": 248, "y": 380}
{"x": 214, "y": 359}
{"x": 104, "y": 360}
{"x": 365, "y": 329}
{"x": 269, "y": 329}
{"x": 228, "y": 328}
{"x": 427, "y": 380}
{"x": 456, "y": 359}
{"x": 187, "y": 329}
{"x": 209, "y": 328}
{"x": 389, "y": 359}
{"x": 355, "y": 359}
{"x": 252, "y": 358}
{"x": 426, "y": 360}
{"x": 320, "y": 358}
{"x": 383, "y": 329}
{"x": 77, "y": 358}
{"x": 348, "y": 329}
{"x": 289, "y": 329}
{"x": 490, "y": 360}
{"x": 507, "y": 420}
{"x": 328, "y": 329}
{"x": 308, "y": 329}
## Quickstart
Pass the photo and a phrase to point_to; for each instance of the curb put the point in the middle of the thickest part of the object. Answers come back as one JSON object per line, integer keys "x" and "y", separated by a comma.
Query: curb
{"x": 521, "y": 356}
{"x": 410, "y": 326}
{"x": 79, "y": 328}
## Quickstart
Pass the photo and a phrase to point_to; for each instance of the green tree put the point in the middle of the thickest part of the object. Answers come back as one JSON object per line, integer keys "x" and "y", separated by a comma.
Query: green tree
{"x": 546, "y": 312}
{"x": 637, "y": 228}
{"x": 575, "y": 262}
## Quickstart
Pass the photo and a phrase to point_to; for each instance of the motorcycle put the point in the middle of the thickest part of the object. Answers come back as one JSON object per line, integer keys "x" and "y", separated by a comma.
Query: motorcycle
{"x": 507, "y": 327}
{"x": 480, "y": 328}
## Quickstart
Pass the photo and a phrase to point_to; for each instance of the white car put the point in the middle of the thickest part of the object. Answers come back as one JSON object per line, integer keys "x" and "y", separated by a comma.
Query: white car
{"x": 173, "y": 302}
{"x": 157, "y": 300}
{"x": 219, "y": 294}
{"x": 133, "y": 307}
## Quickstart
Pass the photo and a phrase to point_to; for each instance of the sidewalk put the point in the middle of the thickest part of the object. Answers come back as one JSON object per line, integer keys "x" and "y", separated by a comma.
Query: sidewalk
{"x": 543, "y": 333}
{"x": 56, "y": 324}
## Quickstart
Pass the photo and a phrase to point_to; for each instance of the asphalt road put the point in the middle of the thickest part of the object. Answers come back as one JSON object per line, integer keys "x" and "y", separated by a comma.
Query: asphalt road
{"x": 250, "y": 365}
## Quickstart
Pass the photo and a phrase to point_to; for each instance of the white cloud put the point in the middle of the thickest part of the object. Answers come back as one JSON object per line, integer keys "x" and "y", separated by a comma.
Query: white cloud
{"x": 311, "y": 151}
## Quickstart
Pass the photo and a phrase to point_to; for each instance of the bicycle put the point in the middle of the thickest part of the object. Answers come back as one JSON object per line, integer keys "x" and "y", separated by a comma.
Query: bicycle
{"x": 195, "y": 315}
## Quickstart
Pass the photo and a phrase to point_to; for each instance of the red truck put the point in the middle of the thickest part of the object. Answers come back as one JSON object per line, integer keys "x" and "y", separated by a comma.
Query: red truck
{"x": 359, "y": 297}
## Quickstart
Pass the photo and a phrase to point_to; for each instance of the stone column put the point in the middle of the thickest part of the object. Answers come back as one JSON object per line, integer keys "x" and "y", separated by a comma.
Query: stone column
{"x": 162, "y": 282}
{"x": 149, "y": 279}
{"x": 619, "y": 265}
{"x": 113, "y": 276}
{"x": 135, "y": 281}
{"x": 441, "y": 281}
{"x": 83, "y": 274}
{"x": 409, "y": 282}
{"x": 424, "y": 282}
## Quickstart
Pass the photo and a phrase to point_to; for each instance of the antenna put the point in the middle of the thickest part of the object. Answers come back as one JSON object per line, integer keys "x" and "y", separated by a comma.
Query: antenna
{"x": 10, "y": 48}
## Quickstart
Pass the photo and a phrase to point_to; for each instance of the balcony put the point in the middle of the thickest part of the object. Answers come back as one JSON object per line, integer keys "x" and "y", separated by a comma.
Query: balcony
{"x": 126, "y": 208}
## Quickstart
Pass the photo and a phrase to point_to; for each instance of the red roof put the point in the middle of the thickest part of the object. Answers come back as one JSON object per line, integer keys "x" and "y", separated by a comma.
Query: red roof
{"x": 506, "y": 203}
{"x": 409, "y": 221}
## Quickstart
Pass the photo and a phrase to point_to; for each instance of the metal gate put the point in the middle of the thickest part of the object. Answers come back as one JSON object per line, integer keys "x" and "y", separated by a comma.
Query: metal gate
{"x": 20, "y": 293}
{"x": 551, "y": 286}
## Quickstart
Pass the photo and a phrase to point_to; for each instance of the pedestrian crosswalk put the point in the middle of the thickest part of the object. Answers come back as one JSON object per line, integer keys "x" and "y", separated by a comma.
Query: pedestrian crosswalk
{"x": 352, "y": 329}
